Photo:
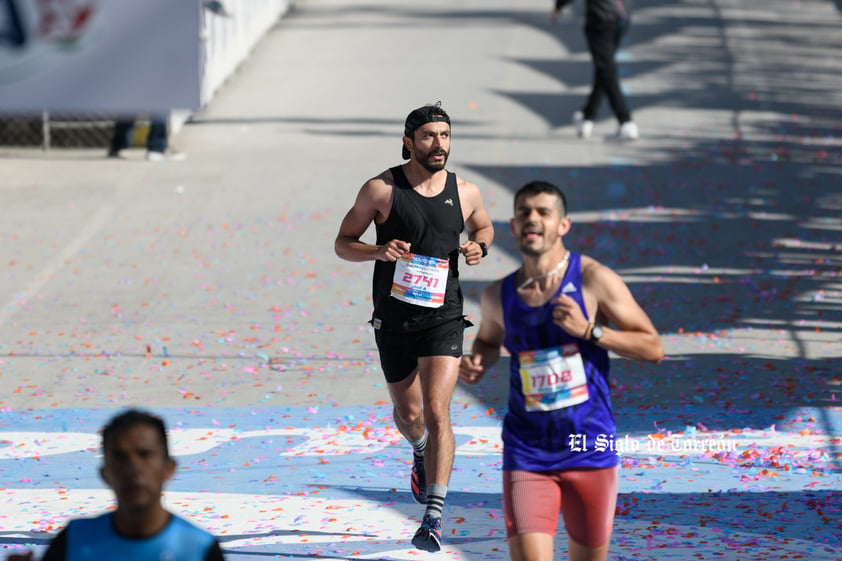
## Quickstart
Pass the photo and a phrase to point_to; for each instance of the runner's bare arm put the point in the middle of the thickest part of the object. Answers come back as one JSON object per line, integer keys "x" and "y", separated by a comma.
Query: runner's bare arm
{"x": 477, "y": 222}
{"x": 631, "y": 333}
{"x": 373, "y": 200}
{"x": 485, "y": 351}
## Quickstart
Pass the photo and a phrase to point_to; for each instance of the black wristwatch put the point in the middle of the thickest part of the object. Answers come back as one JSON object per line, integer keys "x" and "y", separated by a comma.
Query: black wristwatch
{"x": 596, "y": 334}
{"x": 484, "y": 248}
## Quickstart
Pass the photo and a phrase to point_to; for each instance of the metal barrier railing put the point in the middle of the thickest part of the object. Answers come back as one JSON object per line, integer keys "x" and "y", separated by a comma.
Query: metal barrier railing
{"x": 54, "y": 130}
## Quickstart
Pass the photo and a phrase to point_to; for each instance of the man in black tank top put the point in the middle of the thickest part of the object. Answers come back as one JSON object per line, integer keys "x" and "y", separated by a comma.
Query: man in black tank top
{"x": 420, "y": 211}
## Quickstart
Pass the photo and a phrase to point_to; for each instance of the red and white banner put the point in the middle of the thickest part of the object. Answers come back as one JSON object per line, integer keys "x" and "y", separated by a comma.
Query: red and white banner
{"x": 118, "y": 56}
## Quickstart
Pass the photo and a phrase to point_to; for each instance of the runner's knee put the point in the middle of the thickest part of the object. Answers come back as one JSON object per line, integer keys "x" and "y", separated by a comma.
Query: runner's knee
{"x": 408, "y": 415}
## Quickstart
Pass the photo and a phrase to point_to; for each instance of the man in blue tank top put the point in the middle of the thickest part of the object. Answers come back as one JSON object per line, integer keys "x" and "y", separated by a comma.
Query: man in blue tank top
{"x": 136, "y": 465}
{"x": 419, "y": 210}
{"x": 553, "y": 315}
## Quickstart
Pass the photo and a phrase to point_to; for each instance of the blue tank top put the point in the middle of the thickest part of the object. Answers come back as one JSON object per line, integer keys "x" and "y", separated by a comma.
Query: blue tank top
{"x": 94, "y": 539}
{"x": 559, "y": 393}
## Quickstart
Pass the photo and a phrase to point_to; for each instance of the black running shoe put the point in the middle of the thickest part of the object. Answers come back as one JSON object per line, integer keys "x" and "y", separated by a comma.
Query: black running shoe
{"x": 418, "y": 481}
{"x": 428, "y": 536}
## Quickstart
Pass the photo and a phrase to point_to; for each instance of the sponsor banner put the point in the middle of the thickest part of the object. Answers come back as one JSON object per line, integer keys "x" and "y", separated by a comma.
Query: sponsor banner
{"x": 99, "y": 55}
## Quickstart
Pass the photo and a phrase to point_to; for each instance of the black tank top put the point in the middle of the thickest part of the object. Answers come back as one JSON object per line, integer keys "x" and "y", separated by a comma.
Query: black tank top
{"x": 432, "y": 225}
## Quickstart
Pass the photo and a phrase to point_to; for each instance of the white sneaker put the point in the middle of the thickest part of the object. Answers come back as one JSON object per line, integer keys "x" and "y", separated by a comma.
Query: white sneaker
{"x": 168, "y": 155}
{"x": 118, "y": 154}
{"x": 584, "y": 127}
{"x": 628, "y": 131}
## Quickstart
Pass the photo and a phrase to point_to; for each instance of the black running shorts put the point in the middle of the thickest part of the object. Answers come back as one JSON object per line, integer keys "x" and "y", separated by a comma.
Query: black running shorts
{"x": 399, "y": 352}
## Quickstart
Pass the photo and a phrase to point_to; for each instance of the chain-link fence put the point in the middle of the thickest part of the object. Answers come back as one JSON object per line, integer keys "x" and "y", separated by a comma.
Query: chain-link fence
{"x": 49, "y": 130}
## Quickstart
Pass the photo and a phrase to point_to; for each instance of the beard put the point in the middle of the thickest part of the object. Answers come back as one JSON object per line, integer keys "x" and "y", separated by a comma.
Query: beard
{"x": 530, "y": 250}
{"x": 430, "y": 166}
{"x": 534, "y": 247}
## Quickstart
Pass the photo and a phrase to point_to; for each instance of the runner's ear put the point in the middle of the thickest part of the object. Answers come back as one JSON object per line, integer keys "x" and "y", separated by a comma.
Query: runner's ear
{"x": 564, "y": 226}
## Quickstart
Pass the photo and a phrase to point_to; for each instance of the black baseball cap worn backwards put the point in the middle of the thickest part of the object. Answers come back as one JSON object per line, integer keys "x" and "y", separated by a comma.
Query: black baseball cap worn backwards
{"x": 421, "y": 116}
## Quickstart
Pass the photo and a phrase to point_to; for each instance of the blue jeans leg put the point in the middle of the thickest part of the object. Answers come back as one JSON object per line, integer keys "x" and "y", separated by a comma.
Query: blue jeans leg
{"x": 122, "y": 137}
{"x": 158, "y": 132}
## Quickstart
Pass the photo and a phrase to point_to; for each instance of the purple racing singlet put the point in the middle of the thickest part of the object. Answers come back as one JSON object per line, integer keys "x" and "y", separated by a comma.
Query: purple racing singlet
{"x": 559, "y": 413}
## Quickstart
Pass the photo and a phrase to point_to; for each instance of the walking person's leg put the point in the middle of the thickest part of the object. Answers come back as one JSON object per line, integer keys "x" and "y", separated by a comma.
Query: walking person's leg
{"x": 597, "y": 47}
{"x": 121, "y": 138}
{"x": 613, "y": 89}
{"x": 158, "y": 139}
{"x": 603, "y": 43}
{"x": 584, "y": 119}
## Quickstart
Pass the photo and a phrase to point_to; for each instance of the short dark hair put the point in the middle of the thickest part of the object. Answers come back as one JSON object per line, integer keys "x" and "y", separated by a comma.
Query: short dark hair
{"x": 538, "y": 187}
{"x": 419, "y": 117}
{"x": 132, "y": 418}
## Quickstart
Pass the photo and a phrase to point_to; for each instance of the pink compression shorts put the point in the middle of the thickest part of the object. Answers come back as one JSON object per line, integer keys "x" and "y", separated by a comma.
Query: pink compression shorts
{"x": 586, "y": 498}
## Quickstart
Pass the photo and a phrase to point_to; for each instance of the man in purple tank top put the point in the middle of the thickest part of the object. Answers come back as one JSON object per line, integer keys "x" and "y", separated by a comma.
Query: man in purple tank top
{"x": 420, "y": 210}
{"x": 558, "y": 316}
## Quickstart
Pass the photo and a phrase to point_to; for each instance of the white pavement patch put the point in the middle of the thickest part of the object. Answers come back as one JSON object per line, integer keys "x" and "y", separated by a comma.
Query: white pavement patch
{"x": 290, "y": 524}
{"x": 481, "y": 441}
{"x": 19, "y": 445}
{"x": 330, "y": 528}
{"x": 184, "y": 442}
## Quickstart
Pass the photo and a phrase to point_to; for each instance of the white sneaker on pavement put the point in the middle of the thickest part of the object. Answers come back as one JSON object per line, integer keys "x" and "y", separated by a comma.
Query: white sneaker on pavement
{"x": 584, "y": 127}
{"x": 168, "y": 155}
{"x": 628, "y": 131}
